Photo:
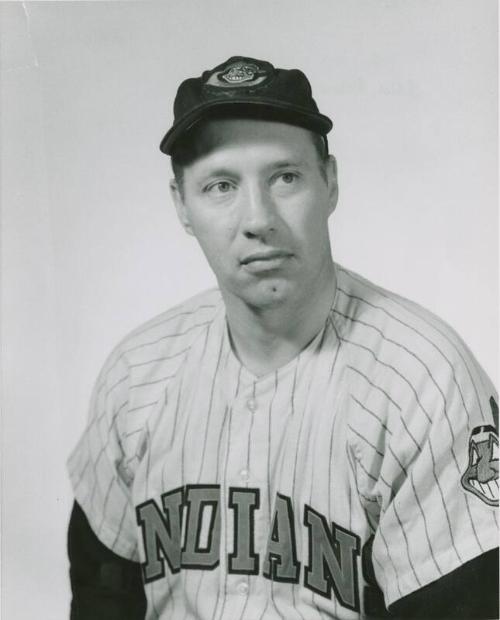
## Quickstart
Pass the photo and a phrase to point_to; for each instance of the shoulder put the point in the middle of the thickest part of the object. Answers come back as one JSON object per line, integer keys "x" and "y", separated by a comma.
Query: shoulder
{"x": 140, "y": 367}
{"x": 170, "y": 332}
{"x": 362, "y": 302}
{"x": 397, "y": 331}
{"x": 406, "y": 365}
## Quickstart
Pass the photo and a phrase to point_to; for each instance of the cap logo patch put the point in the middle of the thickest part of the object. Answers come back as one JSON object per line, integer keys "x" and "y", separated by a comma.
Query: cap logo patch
{"x": 237, "y": 74}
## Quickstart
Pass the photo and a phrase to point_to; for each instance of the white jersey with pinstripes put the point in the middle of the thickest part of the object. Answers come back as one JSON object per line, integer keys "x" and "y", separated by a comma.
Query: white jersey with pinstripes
{"x": 300, "y": 493}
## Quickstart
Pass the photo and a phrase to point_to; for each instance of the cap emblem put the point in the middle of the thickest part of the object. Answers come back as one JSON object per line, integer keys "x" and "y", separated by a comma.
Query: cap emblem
{"x": 239, "y": 73}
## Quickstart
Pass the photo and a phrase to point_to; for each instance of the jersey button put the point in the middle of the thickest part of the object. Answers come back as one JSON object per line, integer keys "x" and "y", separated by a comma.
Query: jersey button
{"x": 251, "y": 404}
{"x": 243, "y": 588}
{"x": 244, "y": 475}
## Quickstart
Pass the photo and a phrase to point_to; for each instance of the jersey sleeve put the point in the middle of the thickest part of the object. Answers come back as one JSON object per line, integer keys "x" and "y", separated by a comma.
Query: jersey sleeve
{"x": 437, "y": 484}
{"x": 101, "y": 470}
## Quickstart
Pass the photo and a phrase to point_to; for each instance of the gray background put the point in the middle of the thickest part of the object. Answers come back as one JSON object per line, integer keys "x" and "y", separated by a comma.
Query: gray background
{"x": 90, "y": 242}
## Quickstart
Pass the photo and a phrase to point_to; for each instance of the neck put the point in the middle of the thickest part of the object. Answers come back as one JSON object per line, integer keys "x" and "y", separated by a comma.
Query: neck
{"x": 266, "y": 338}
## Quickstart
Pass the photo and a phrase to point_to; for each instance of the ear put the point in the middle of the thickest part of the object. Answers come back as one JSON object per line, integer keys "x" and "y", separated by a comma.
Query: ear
{"x": 332, "y": 181}
{"x": 180, "y": 207}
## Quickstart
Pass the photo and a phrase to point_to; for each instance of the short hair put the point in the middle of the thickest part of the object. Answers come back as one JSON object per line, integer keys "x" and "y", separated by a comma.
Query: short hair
{"x": 189, "y": 148}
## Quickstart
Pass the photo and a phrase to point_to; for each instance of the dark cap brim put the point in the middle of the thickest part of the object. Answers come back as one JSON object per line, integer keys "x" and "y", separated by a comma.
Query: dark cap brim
{"x": 264, "y": 109}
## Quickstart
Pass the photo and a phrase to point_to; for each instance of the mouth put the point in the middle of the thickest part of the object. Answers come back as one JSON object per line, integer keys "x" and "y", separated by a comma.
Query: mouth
{"x": 264, "y": 261}
{"x": 265, "y": 256}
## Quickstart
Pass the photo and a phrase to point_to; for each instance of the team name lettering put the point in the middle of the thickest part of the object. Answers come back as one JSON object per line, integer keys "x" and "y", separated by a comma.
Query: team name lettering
{"x": 244, "y": 560}
{"x": 332, "y": 560}
{"x": 201, "y": 546}
{"x": 281, "y": 558}
{"x": 195, "y": 511}
{"x": 161, "y": 533}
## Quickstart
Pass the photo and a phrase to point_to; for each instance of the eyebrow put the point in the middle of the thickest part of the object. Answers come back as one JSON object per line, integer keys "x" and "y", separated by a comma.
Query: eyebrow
{"x": 219, "y": 172}
{"x": 288, "y": 164}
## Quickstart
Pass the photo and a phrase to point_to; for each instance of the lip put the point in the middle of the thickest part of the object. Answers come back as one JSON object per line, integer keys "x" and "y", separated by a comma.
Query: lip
{"x": 265, "y": 257}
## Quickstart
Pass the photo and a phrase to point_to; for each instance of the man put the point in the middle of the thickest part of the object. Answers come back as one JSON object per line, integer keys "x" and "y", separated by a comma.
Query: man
{"x": 298, "y": 443}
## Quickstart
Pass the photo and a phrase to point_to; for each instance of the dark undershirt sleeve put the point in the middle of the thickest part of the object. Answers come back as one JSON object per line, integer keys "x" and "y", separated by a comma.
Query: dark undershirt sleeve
{"x": 104, "y": 585}
{"x": 469, "y": 592}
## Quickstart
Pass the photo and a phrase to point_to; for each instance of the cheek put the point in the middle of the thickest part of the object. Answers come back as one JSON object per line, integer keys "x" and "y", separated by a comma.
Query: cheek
{"x": 311, "y": 226}
{"x": 215, "y": 237}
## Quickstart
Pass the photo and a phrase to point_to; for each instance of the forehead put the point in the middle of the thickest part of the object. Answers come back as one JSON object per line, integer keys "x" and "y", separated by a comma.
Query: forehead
{"x": 247, "y": 137}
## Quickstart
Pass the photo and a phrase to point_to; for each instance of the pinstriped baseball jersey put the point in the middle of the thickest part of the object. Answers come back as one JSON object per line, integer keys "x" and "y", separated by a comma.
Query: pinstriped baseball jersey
{"x": 366, "y": 462}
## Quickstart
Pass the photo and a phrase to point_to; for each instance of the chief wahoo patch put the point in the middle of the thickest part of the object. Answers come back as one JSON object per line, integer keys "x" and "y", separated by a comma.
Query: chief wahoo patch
{"x": 481, "y": 476}
{"x": 240, "y": 73}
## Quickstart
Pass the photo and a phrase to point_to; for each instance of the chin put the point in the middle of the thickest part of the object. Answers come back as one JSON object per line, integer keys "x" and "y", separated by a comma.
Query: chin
{"x": 269, "y": 294}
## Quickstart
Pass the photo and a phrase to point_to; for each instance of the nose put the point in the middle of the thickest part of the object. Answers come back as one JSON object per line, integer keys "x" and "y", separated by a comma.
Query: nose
{"x": 259, "y": 217}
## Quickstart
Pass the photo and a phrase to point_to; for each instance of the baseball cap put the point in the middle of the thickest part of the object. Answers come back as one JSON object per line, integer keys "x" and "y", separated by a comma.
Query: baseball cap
{"x": 245, "y": 86}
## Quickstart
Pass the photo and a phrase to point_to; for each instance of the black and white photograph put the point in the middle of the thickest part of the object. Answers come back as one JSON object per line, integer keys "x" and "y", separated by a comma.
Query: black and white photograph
{"x": 249, "y": 309}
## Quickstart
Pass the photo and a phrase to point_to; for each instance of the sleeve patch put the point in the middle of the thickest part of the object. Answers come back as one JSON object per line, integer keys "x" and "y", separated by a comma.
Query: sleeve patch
{"x": 481, "y": 475}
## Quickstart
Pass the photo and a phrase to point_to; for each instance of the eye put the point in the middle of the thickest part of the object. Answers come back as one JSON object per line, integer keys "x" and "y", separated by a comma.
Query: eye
{"x": 287, "y": 178}
{"x": 220, "y": 187}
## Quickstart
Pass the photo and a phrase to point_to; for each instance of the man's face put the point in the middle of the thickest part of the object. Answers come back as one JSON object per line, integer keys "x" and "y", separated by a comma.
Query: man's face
{"x": 258, "y": 202}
